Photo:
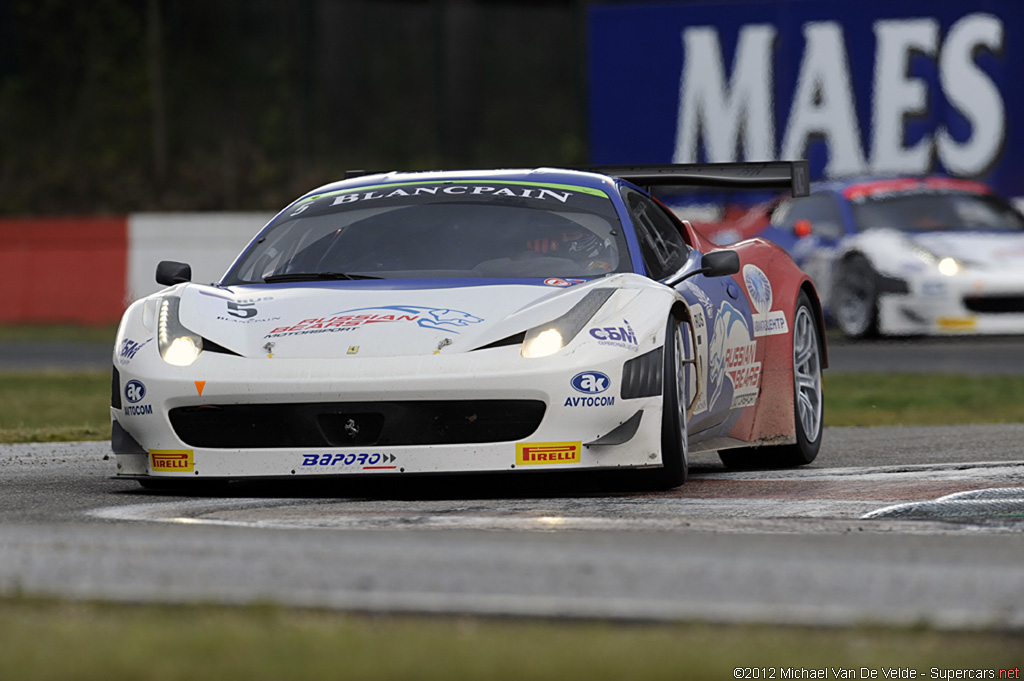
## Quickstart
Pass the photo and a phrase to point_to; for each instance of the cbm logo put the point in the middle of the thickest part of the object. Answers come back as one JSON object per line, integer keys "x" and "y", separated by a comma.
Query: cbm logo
{"x": 134, "y": 391}
{"x": 590, "y": 382}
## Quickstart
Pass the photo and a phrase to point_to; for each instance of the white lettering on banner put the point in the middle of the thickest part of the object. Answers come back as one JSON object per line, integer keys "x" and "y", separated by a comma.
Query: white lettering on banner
{"x": 974, "y": 95}
{"x": 723, "y": 111}
{"x": 730, "y": 115}
{"x": 823, "y": 103}
{"x": 904, "y": 96}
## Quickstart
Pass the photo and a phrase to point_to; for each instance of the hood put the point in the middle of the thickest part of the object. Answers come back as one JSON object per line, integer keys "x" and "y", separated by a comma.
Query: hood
{"x": 990, "y": 250}
{"x": 336, "y": 319}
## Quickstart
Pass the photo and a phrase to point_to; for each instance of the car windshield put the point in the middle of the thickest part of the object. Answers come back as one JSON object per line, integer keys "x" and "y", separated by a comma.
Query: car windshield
{"x": 439, "y": 230}
{"x": 936, "y": 211}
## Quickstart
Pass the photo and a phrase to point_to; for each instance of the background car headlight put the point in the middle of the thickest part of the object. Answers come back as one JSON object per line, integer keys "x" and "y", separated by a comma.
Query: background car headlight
{"x": 178, "y": 345}
{"x": 949, "y": 266}
{"x": 547, "y": 339}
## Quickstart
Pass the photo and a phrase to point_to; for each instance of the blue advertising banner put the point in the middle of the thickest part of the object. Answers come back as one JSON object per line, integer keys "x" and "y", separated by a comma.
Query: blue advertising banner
{"x": 874, "y": 87}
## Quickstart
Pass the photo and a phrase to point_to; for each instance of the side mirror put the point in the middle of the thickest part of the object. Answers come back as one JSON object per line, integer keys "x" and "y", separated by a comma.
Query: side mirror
{"x": 720, "y": 263}
{"x": 169, "y": 272}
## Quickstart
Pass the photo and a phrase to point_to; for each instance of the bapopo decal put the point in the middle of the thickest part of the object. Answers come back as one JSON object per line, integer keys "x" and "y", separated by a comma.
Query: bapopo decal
{"x": 733, "y": 354}
{"x": 440, "y": 318}
{"x": 367, "y": 461}
{"x": 766, "y": 321}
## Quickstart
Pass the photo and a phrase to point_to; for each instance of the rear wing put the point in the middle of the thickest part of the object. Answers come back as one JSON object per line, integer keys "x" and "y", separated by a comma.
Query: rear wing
{"x": 791, "y": 175}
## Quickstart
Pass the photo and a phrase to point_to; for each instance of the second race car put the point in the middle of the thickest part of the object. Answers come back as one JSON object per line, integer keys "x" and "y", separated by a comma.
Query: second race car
{"x": 903, "y": 256}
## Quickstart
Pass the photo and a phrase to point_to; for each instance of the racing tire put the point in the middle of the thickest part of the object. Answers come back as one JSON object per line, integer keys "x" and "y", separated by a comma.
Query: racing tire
{"x": 855, "y": 298}
{"x": 808, "y": 402}
{"x": 674, "y": 445}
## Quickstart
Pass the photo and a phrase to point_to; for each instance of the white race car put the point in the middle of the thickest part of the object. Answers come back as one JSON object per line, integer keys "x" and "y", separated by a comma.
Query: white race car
{"x": 482, "y": 321}
{"x": 909, "y": 256}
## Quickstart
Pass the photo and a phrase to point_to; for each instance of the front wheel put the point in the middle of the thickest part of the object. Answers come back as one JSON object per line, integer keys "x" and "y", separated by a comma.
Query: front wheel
{"x": 855, "y": 298}
{"x": 674, "y": 448}
{"x": 808, "y": 401}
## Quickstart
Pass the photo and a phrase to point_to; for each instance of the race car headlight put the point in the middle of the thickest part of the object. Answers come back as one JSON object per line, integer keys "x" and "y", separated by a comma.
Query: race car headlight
{"x": 547, "y": 339}
{"x": 178, "y": 345}
{"x": 949, "y": 266}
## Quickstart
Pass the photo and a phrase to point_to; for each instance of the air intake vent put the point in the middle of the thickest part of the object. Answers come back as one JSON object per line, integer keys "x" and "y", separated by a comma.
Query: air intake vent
{"x": 994, "y": 304}
{"x": 350, "y": 424}
{"x": 115, "y": 389}
{"x": 641, "y": 376}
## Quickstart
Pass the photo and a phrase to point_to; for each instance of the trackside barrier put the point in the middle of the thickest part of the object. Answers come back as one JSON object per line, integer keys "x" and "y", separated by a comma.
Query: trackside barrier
{"x": 86, "y": 270}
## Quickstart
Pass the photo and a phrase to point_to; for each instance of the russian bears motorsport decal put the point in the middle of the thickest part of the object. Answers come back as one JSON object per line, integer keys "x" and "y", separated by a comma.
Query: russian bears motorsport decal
{"x": 731, "y": 351}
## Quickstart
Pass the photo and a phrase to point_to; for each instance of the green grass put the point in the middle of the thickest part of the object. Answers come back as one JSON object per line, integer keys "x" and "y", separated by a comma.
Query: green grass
{"x": 42, "y": 640}
{"x": 921, "y": 399}
{"x": 54, "y": 406}
{"x": 59, "y": 332}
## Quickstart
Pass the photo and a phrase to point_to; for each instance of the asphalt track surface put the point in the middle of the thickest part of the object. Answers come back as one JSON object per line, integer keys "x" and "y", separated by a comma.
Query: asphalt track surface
{"x": 891, "y": 525}
{"x": 836, "y": 543}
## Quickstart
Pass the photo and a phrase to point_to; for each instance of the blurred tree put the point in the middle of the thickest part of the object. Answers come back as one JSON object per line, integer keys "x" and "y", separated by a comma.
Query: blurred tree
{"x": 113, "y": 106}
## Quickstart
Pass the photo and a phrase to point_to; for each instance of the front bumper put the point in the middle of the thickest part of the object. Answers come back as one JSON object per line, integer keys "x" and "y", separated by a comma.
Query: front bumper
{"x": 966, "y": 304}
{"x": 564, "y": 437}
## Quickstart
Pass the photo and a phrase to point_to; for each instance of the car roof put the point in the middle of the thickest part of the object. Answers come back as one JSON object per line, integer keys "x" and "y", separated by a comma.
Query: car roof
{"x": 896, "y": 183}
{"x": 545, "y": 176}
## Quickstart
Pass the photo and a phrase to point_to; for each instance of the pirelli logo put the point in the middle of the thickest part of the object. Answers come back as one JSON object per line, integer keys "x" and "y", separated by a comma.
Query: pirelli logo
{"x": 956, "y": 323}
{"x": 547, "y": 453}
{"x": 171, "y": 460}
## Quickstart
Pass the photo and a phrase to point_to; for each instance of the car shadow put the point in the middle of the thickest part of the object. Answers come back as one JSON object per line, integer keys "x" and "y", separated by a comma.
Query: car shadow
{"x": 415, "y": 487}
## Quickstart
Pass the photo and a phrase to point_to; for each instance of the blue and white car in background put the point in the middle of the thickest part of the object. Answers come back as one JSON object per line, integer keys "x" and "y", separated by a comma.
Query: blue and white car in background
{"x": 509, "y": 321}
{"x": 904, "y": 256}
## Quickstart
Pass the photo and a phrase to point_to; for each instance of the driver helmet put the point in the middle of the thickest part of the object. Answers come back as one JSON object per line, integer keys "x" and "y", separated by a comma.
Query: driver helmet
{"x": 581, "y": 245}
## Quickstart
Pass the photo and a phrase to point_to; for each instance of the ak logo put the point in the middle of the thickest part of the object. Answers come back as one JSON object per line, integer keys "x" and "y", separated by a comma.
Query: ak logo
{"x": 590, "y": 382}
{"x": 134, "y": 391}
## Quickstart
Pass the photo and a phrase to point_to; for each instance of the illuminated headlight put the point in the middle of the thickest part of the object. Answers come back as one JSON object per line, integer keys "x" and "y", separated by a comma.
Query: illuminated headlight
{"x": 178, "y": 345}
{"x": 542, "y": 343}
{"x": 949, "y": 267}
{"x": 549, "y": 338}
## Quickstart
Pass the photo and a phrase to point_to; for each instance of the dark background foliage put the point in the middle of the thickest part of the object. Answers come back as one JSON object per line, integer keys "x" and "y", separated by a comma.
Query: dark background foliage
{"x": 114, "y": 106}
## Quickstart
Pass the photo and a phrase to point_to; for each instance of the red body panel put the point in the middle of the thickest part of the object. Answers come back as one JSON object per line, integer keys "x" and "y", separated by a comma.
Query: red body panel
{"x": 772, "y": 416}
